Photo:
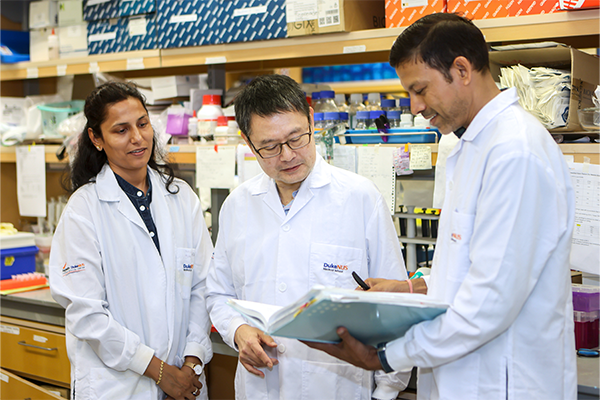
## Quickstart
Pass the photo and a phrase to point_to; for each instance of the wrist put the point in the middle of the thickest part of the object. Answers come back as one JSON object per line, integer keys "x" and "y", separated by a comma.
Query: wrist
{"x": 383, "y": 359}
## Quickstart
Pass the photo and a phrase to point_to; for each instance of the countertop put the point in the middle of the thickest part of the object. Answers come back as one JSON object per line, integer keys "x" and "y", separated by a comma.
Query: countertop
{"x": 39, "y": 306}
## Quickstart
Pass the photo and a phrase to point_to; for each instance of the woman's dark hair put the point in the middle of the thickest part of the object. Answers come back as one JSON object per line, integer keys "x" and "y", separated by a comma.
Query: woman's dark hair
{"x": 268, "y": 95}
{"x": 88, "y": 160}
{"x": 437, "y": 39}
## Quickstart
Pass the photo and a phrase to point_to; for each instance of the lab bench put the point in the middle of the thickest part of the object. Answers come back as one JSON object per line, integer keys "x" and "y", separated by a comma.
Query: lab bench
{"x": 32, "y": 339}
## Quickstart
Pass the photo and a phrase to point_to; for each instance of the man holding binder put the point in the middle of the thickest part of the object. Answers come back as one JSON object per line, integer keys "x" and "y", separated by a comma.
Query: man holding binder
{"x": 502, "y": 253}
{"x": 301, "y": 223}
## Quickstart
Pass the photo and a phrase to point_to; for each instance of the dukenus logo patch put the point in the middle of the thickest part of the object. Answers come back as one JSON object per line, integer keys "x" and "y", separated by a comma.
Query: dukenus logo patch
{"x": 335, "y": 267}
{"x": 68, "y": 270}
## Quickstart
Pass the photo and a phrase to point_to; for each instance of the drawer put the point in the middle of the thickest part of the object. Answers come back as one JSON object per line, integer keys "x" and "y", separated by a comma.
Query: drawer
{"x": 15, "y": 387}
{"x": 35, "y": 352}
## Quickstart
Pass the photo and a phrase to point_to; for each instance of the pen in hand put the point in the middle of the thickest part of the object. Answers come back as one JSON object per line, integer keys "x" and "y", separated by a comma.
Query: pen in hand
{"x": 360, "y": 282}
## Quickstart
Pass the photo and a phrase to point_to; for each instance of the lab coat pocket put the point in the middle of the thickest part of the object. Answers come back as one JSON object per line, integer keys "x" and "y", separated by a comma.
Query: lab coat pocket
{"x": 459, "y": 245}
{"x": 109, "y": 384}
{"x": 185, "y": 270}
{"x": 323, "y": 380}
{"x": 332, "y": 265}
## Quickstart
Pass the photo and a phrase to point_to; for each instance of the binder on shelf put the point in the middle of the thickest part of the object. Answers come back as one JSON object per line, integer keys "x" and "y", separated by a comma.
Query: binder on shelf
{"x": 371, "y": 317}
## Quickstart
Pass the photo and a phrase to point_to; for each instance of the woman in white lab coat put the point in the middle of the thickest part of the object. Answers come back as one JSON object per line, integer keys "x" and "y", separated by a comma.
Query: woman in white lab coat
{"x": 129, "y": 261}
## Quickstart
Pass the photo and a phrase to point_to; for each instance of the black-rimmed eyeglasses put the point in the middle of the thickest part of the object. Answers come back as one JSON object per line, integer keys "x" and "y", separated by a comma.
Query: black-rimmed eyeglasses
{"x": 294, "y": 143}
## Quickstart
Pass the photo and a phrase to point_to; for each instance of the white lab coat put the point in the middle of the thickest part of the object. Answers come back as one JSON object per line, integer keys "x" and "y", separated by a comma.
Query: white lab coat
{"x": 502, "y": 262}
{"x": 124, "y": 302}
{"x": 264, "y": 255}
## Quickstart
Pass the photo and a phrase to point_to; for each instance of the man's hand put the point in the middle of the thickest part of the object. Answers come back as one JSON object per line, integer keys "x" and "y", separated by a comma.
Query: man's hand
{"x": 350, "y": 350}
{"x": 252, "y": 355}
{"x": 392, "y": 285}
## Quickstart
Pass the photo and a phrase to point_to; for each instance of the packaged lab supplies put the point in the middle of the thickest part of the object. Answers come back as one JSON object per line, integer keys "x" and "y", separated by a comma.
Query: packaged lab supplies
{"x": 586, "y": 298}
{"x": 583, "y": 68}
{"x": 187, "y": 23}
{"x": 70, "y": 12}
{"x": 43, "y": 14}
{"x": 328, "y": 16}
{"x": 136, "y": 7}
{"x": 95, "y": 10}
{"x": 17, "y": 252}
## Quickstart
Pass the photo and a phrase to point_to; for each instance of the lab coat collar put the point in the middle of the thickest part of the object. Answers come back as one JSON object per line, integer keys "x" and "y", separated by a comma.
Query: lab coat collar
{"x": 498, "y": 104}
{"x": 109, "y": 189}
{"x": 318, "y": 177}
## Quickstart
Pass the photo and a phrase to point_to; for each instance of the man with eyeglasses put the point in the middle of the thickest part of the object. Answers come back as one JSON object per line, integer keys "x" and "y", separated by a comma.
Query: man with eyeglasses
{"x": 301, "y": 223}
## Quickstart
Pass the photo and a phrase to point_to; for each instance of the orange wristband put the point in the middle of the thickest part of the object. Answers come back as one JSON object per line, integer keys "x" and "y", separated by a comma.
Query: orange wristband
{"x": 410, "y": 288}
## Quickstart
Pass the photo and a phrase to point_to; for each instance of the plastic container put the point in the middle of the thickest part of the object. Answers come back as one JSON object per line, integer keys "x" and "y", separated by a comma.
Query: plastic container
{"x": 222, "y": 130}
{"x": 208, "y": 114}
{"x": 43, "y": 243}
{"x": 373, "y": 115}
{"x": 340, "y": 102}
{"x": 15, "y": 42}
{"x": 394, "y": 117}
{"x": 316, "y": 101}
{"x": 19, "y": 260}
{"x": 177, "y": 120}
{"x": 374, "y": 100}
{"x": 53, "y": 46}
{"x": 327, "y": 101}
{"x": 421, "y": 122}
{"x": 362, "y": 120}
{"x": 586, "y": 329}
{"x": 412, "y": 135}
{"x": 585, "y": 297}
{"x": 356, "y": 105}
{"x": 406, "y": 121}
{"x": 54, "y": 113}
{"x": 318, "y": 121}
{"x": 193, "y": 126}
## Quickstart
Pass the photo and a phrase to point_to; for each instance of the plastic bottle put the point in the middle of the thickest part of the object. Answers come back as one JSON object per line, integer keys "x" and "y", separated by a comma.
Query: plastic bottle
{"x": 53, "y": 46}
{"x": 406, "y": 117}
{"x": 404, "y": 104}
{"x": 374, "y": 102}
{"x": 344, "y": 118}
{"x": 421, "y": 122}
{"x": 327, "y": 101}
{"x": 233, "y": 131}
{"x": 373, "y": 115}
{"x": 330, "y": 119}
{"x": 356, "y": 105}
{"x": 406, "y": 121}
{"x": 193, "y": 126}
{"x": 362, "y": 120}
{"x": 316, "y": 101}
{"x": 388, "y": 104}
{"x": 208, "y": 114}
{"x": 318, "y": 121}
{"x": 394, "y": 117}
{"x": 340, "y": 102}
{"x": 221, "y": 130}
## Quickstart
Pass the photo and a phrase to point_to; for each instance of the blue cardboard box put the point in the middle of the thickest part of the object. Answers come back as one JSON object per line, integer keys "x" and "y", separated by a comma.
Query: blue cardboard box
{"x": 94, "y": 10}
{"x": 103, "y": 36}
{"x": 18, "y": 260}
{"x": 249, "y": 20}
{"x": 137, "y": 33}
{"x": 184, "y": 23}
{"x": 136, "y": 7}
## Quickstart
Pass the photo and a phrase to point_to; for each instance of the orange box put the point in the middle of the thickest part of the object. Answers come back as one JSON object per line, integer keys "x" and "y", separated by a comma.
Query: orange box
{"x": 485, "y": 9}
{"x": 577, "y": 4}
{"x": 405, "y": 12}
{"x": 480, "y": 9}
{"x": 534, "y": 7}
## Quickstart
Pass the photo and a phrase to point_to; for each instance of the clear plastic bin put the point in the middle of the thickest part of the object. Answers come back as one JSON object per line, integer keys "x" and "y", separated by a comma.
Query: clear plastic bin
{"x": 586, "y": 329}
{"x": 586, "y": 298}
{"x": 54, "y": 113}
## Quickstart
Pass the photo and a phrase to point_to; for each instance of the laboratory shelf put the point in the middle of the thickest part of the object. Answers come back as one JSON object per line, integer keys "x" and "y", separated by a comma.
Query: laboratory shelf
{"x": 578, "y": 28}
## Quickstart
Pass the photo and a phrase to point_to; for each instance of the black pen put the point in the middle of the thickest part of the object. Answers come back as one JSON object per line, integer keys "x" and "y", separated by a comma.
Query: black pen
{"x": 360, "y": 282}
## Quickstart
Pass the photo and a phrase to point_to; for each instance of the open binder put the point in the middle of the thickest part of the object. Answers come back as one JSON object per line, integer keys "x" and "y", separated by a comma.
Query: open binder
{"x": 371, "y": 317}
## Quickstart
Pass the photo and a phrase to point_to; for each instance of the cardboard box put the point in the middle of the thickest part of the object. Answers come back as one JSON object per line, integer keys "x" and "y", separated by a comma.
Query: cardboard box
{"x": 585, "y": 73}
{"x": 486, "y": 9}
{"x": 241, "y": 22}
{"x": 578, "y": 4}
{"x": 167, "y": 87}
{"x": 137, "y": 33}
{"x": 95, "y": 10}
{"x": 183, "y": 23}
{"x": 73, "y": 41}
{"x": 333, "y": 16}
{"x": 38, "y": 44}
{"x": 103, "y": 36}
{"x": 43, "y": 14}
{"x": 480, "y": 9}
{"x": 405, "y": 12}
{"x": 136, "y": 7}
{"x": 70, "y": 12}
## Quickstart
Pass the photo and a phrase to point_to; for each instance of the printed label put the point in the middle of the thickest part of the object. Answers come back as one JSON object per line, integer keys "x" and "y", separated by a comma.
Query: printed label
{"x": 40, "y": 339}
{"x": 183, "y": 18}
{"x": 100, "y": 37}
{"x": 355, "y": 49}
{"x": 13, "y": 330}
{"x": 240, "y": 12}
{"x": 4, "y": 377}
